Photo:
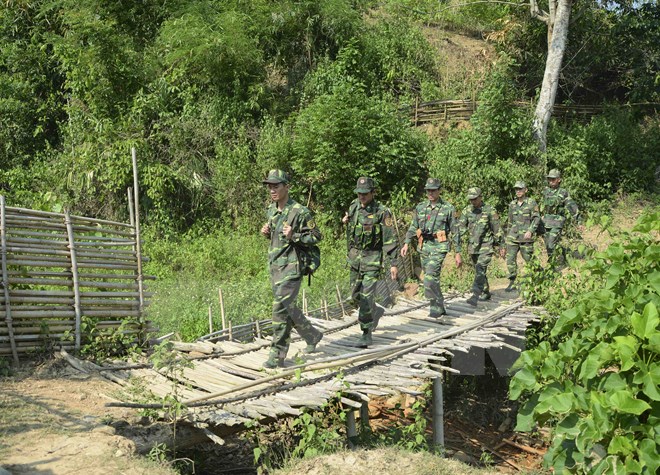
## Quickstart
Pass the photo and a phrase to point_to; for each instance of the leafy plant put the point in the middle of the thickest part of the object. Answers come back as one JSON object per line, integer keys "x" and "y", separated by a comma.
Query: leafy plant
{"x": 598, "y": 385}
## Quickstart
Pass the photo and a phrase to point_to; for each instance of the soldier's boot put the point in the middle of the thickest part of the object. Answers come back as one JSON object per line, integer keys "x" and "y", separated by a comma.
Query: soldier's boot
{"x": 437, "y": 309}
{"x": 311, "y": 345}
{"x": 511, "y": 287}
{"x": 485, "y": 296}
{"x": 365, "y": 340}
{"x": 377, "y": 313}
{"x": 473, "y": 300}
{"x": 275, "y": 359}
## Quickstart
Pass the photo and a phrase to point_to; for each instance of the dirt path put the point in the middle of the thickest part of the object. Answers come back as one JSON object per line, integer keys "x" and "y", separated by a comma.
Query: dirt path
{"x": 53, "y": 420}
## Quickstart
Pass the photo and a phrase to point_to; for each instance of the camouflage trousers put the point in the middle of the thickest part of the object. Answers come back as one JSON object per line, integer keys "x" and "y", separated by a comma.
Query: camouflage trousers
{"x": 551, "y": 237}
{"x": 481, "y": 261}
{"x": 286, "y": 315}
{"x": 363, "y": 294}
{"x": 432, "y": 264}
{"x": 526, "y": 250}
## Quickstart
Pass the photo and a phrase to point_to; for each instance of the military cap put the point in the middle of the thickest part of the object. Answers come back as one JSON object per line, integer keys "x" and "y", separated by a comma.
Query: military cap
{"x": 519, "y": 185}
{"x": 554, "y": 173}
{"x": 432, "y": 184}
{"x": 276, "y": 176}
{"x": 473, "y": 193}
{"x": 364, "y": 185}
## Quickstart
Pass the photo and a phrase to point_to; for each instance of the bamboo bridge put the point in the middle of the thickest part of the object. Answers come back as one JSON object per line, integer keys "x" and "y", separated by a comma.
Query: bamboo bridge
{"x": 226, "y": 388}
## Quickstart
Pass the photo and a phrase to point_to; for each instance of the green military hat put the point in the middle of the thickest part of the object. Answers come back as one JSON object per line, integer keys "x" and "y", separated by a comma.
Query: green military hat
{"x": 364, "y": 185}
{"x": 520, "y": 185}
{"x": 554, "y": 173}
{"x": 432, "y": 184}
{"x": 276, "y": 176}
{"x": 473, "y": 193}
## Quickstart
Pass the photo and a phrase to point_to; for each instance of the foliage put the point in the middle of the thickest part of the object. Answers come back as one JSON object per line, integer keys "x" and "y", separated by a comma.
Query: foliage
{"x": 100, "y": 343}
{"x": 598, "y": 386}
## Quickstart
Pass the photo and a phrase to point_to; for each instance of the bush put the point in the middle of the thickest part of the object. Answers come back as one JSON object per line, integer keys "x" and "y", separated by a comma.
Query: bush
{"x": 598, "y": 385}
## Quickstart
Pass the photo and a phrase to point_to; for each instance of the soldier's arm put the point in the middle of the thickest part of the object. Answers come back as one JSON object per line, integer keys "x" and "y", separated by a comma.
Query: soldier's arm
{"x": 495, "y": 227}
{"x": 536, "y": 217}
{"x": 460, "y": 226}
{"x": 306, "y": 231}
{"x": 572, "y": 207}
{"x": 390, "y": 241}
{"x": 413, "y": 228}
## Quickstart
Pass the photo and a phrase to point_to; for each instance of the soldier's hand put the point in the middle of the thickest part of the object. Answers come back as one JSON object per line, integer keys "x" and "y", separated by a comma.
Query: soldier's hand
{"x": 459, "y": 260}
{"x": 528, "y": 235}
{"x": 287, "y": 230}
{"x": 345, "y": 218}
{"x": 404, "y": 250}
{"x": 502, "y": 252}
{"x": 265, "y": 230}
{"x": 394, "y": 272}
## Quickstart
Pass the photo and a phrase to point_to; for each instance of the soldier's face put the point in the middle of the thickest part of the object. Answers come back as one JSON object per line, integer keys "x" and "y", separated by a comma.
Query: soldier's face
{"x": 278, "y": 191}
{"x": 554, "y": 182}
{"x": 365, "y": 198}
{"x": 521, "y": 192}
{"x": 476, "y": 202}
{"x": 433, "y": 195}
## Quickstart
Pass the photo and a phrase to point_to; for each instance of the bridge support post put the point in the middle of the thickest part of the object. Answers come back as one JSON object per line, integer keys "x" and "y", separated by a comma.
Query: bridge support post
{"x": 351, "y": 429}
{"x": 364, "y": 416}
{"x": 438, "y": 415}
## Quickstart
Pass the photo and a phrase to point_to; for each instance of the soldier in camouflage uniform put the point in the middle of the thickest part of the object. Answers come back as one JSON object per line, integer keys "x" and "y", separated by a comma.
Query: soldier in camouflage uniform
{"x": 289, "y": 224}
{"x": 372, "y": 244}
{"x": 482, "y": 224}
{"x": 432, "y": 225}
{"x": 523, "y": 222}
{"x": 555, "y": 208}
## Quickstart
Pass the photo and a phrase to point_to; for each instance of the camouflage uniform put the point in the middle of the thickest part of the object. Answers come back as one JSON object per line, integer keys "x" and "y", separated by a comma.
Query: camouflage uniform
{"x": 285, "y": 274}
{"x": 372, "y": 244}
{"x": 483, "y": 227}
{"x": 436, "y": 223}
{"x": 555, "y": 208}
{"x": 523, "y": 217}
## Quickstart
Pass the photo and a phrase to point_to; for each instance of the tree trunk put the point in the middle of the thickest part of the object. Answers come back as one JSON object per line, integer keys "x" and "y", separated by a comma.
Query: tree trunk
{"x": 558, "y": 25}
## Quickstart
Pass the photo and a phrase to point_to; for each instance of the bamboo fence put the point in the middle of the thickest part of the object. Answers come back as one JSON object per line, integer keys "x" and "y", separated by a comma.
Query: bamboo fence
{"x": 461, "y": 110}
{"x": 58, "y": 270}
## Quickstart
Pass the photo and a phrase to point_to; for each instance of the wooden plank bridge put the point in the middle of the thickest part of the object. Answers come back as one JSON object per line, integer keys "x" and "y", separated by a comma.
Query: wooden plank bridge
{"x": 228, "y": 387}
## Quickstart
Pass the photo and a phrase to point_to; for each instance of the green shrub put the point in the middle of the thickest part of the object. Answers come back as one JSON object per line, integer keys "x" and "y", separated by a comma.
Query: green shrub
{"x": 597, "y": 384}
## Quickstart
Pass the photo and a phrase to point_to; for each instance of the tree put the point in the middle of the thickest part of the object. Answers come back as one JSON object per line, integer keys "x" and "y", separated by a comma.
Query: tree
{"x": 556, "y": 18}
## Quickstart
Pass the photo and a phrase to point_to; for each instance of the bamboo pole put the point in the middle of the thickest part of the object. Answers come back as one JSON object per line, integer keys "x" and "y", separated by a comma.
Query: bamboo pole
{"x": 339, "y": 300}
{"x": 222, "y": 309}
{"x": 5, "y": 281}
{"x": 33, "y": 212}
{"x": 304, "y": 301}
{"x": 74, "y": 272}
{"x": 210, "y": 320}
{"x": 258, "y": 328}
{"x": 138, "y": 244}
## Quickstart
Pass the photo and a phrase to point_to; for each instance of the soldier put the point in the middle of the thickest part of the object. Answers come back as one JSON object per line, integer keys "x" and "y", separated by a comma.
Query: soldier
{"x": 523, "y": 222}
{"x": 372, "y": 243}
{"x": 555, "y": 207}
{"x": 482, "y": 224}
{"x": 432, "y": 224}
{"x": 289, "y": 224}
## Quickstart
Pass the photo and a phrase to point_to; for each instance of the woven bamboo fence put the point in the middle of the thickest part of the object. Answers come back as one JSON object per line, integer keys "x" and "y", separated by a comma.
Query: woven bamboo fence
{"x": 58, "y": 270}
{"x": 460, "y": 110}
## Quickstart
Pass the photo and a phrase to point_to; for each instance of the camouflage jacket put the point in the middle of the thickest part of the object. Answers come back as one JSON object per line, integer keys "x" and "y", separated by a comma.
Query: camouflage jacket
{"x": 523, "y": 217}
{"x": 555, "y": 207}
{"x": 282, "y": 255}
{"x": 436, "y": 223}
{"x": 372, "y": 241}
{"x": 483, "y": 227}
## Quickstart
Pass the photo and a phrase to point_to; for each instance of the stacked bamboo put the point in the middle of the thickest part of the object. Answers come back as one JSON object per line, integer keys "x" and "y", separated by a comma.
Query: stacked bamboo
{"x": 58, "y": 269}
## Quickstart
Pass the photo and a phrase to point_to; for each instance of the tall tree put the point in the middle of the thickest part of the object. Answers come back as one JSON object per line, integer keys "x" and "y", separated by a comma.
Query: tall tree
{"x": 556, "y": 18}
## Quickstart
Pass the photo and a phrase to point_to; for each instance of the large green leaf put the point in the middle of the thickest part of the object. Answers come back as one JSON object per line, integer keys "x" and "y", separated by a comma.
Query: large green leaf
{"x": 621, "y": 445}
{"x": 648, "y": 455}
{"x": 626, "y": 348}
{"x": 646, "y": 325}
{"x": 623, "y": 401}
{"x": 525, "y": 379}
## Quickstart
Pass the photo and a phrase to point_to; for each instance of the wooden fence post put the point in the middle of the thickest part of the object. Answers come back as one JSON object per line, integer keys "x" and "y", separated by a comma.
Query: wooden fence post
{"x": 5, "y": 281}
{"x": 74, "y": 272}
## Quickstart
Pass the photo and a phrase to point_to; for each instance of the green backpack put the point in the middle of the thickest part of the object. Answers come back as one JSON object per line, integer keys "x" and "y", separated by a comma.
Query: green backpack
{"x": 309, "y": 257}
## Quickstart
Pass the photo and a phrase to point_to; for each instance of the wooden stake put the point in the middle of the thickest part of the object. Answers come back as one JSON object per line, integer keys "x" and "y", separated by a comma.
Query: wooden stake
{"x": 304, "y": 299}
{"x": 341, "y": 303}
{"x": 210, "y": 320}
{"x": 138, "y": 244}
{"x": 231, "y": 337}
{"x": 325, "y": 309}
{"x": 222, "y": 309}
{"x": 74, "y": 273}
{"x": 258, "y": 327}
{"x": 5, "y": 281}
